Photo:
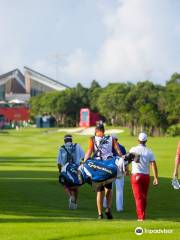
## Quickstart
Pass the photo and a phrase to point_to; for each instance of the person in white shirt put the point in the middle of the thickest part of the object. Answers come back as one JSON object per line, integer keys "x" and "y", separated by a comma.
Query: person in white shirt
{"x": 119, "y": 182}
{"x": 71, "y": 153}
{"x": 140, "y": 175}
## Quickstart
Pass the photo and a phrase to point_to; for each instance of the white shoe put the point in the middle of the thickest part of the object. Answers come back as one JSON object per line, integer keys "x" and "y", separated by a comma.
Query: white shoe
{"x": 175, "y": 183}
{"x": 72, "y": 204}
{"x": 120, "y": 210}
{"x": 75, "y": 206}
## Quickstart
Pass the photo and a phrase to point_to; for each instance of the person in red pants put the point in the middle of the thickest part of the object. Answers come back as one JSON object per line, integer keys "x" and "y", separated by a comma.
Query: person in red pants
{"x": 140, "y": 175}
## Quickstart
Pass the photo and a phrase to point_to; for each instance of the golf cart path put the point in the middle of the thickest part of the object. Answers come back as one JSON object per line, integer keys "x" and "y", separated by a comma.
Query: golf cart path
{"x": 88, "y": 131}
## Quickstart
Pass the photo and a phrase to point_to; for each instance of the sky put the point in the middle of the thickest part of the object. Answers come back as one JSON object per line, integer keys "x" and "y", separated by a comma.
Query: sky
{"x": 82, "y": 40}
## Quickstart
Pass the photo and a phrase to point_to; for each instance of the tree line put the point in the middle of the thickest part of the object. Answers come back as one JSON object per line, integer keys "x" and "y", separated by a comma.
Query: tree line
{"x": 142, "y": 106}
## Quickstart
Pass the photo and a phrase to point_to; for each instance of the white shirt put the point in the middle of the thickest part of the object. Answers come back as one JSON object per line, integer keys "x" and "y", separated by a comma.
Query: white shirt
{"x": 120, "y": 166}
{"x": 79, "y": 155}
{"x": 146, "y": 156}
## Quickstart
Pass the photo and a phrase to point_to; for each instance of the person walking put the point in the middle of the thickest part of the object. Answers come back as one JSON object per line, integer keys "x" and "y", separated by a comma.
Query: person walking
{"x": 70, "y": 153}
{"x": 119, "y": 182}
{"x": 175, "y": 182}
{"x": 101, "y": 146}
{"x": 140, "y": 175}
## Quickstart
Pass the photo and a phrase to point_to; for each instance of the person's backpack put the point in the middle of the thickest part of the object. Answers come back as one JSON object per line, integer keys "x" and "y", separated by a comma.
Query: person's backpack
{"x": 99, "y": 148}
{"x": 68, "y": 153}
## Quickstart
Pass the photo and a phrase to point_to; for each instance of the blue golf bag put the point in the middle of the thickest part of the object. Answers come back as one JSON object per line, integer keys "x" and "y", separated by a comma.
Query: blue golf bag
{"x": 95, "y": 171}
{"x": 98, "y": 170}
{"x": 69, "y": 175}
{"x": 92, "y": 171}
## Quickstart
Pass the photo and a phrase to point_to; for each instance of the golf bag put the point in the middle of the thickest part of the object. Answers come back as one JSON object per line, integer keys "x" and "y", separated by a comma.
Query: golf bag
{"x": 92, "y": 171}
{"x": 95, "y": 171}
{"x": 98, "y": 170}
{"x": 69, "y": 175}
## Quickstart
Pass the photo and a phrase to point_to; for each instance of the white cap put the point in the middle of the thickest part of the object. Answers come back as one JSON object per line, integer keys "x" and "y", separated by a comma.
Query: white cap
{"x": 114, "y": 136}
{"x": 142, "y": 137}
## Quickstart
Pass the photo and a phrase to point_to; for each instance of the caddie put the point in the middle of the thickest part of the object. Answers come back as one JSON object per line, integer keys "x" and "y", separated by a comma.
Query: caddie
{"x": 71, "y": 153}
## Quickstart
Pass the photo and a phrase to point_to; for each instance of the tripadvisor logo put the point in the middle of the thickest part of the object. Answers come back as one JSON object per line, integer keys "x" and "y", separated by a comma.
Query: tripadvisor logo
{"x": 139, "y": 231}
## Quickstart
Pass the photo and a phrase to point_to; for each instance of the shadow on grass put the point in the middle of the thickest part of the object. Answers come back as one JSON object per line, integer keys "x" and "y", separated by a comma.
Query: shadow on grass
{"x": 3, "y": 132}
{"x": 36, "y": 196}
{"x": 28, "y": 161}
{"x": 163, "y": 202}
{"x": 45, "y": 220}
{"x": 80, "y": 236}
{"x": 23, "y": 158}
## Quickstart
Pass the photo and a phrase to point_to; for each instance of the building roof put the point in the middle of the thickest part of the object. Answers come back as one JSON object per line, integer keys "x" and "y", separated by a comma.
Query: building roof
{"x": 50, "y": 82}
{"x": 16, "y": 73}
{"x": 10, "y": 73}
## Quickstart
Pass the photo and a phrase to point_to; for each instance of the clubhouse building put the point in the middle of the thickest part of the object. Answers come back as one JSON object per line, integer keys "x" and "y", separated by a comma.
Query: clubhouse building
{"x": 16, "y": 85}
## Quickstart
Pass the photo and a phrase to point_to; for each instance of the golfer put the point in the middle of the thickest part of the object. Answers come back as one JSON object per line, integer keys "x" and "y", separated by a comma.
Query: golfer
{"x": 119, "y": 182}
{"x": 175, "y": 182}
{"x": 71, "y": 153}
{"x": 140, "y": 175}
{"x": 102, "y": 148}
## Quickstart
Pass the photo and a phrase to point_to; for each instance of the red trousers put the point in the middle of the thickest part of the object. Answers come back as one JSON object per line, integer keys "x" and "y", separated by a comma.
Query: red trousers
{"x": 140, "y": 185}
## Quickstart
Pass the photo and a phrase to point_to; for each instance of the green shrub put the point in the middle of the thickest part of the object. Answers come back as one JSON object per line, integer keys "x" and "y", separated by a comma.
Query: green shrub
{"x": 174, "y": 130}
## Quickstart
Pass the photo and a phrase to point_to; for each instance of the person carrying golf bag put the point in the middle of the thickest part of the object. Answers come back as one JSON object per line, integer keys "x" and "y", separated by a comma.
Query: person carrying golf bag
{"x": 101, "y": 147}
{"x": 95, "y": 172}
{"x": 72, "y": 154}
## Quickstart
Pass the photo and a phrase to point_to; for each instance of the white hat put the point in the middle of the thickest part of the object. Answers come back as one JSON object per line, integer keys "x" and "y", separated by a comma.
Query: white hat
{"x": 142, "y": 137}
{"x": 114, "y": 136}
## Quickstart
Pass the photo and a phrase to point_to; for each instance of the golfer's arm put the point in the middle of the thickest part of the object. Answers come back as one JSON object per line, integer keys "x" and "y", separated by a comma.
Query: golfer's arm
{"x": 127, "y": 172}
{"x": 177, "y": 163}
{"x": 177, "y": 160}
{"x": 117, "y": 149}
{"x": 59, "y": 167}
{"x": 88, "y": 154}
{"x": 90, "y": 150}
{"x": 154, "y": 169}
{"x": 59, "y": 160}
{"x": 176, "y": 166}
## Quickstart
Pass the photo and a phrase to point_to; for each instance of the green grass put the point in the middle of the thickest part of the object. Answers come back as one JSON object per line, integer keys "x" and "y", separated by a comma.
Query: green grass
{"x": 33, "y": 204}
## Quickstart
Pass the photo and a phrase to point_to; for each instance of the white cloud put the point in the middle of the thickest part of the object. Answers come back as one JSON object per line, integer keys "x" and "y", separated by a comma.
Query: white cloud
{"x": 68, "y": 69}
{"x": 10, "y": 52}
{"x": 140, "y": 41}
{"x": 76, "y": 67}
{"x": 9, "y": 59}
{"x": 142, "y": 44}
